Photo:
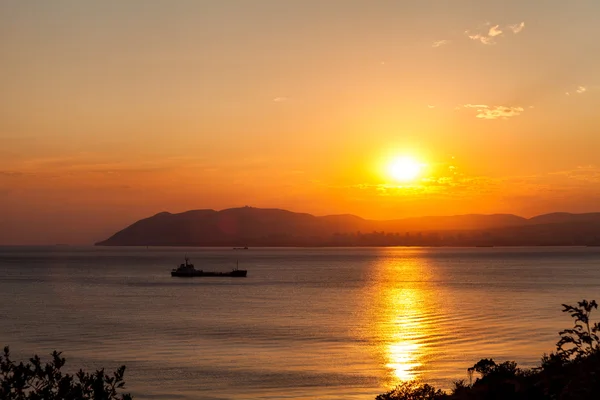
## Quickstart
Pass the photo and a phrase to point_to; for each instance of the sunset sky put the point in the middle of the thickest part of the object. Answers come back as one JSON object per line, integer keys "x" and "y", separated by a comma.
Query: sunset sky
{"x": 111, "y": 111}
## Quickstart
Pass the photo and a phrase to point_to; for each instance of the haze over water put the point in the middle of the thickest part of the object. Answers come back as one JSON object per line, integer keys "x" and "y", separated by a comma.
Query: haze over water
{"x": 306, "y": 323}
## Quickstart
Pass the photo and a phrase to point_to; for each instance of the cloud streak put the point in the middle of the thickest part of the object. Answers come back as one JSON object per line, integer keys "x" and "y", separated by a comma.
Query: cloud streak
{"x": 494, "y": 112}
{"x": 517, "y": 27}
{"x": 11, "y": 174}
{"x": 482, "y": 38}
{"x": 578, "y": 90}
{"x": 488, "y": 37}
{"x": 495, "y": 31}
{"x": 440, "y": 43}
{"x": 587, "y": 173}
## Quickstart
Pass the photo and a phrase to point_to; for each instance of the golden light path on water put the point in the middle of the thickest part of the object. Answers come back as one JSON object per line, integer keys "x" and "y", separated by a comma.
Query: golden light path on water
{"x": 404, "y": 349}
{"x": 402, "y": 302}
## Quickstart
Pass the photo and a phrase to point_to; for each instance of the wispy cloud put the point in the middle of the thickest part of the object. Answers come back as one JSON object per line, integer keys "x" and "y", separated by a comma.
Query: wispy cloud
{"x": 578, "y": 90}
{"x": 488, "y": 36}
{"x": 430, "y": 106}
{"x": 583, "y": 173}
{"x": 440, "y": 43}
{"x": 11, "y": 174}
{"x": 494, "y": 112}
{"x": 516, "y": 28}
{"x": 482, "y": 38}
{"x": 444, "y": 181}
{"x": 473, "y": 106}
{"x": 495, "y": 31}
{"x": 451, "y": 184}
{"x": 280, "y": 99}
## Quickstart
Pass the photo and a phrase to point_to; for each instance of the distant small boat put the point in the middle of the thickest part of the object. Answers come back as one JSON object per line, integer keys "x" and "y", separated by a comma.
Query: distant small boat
{"x": 187, "y": 270}
{"x": 241, "y": 248}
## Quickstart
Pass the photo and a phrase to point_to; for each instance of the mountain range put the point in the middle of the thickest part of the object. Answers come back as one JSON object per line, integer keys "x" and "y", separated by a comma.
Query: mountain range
{"x": 249, "y": 226}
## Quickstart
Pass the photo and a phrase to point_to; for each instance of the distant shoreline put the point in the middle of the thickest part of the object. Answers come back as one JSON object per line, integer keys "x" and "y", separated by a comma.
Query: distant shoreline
{"x": 259, "y": 227}
{"x": 341, "y": 247}
{"x": 74, "y": 246}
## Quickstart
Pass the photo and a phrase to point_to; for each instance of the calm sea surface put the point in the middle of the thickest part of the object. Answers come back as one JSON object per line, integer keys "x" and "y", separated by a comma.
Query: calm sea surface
{"x": 304, "y": 324}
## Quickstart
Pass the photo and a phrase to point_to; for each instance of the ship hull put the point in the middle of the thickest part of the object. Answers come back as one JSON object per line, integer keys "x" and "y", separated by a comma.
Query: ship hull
{"x": 195, "y": 274}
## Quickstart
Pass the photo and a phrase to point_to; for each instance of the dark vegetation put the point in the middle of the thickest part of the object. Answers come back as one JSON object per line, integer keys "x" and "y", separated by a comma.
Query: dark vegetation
{"x": 37, "y": 381}
{"x": 248, "y": 226}
{"x": 572, "y": 372}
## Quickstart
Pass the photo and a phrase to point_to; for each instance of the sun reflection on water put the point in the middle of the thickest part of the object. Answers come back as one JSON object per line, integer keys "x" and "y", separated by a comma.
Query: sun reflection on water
{"x": 401, "y": 307}
{"x": 403, "y": 360}
{"x": 403, "y": 332}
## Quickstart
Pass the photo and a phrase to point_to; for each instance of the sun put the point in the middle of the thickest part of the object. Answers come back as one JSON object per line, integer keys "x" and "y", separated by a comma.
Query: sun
{"x": 404, "y": 169}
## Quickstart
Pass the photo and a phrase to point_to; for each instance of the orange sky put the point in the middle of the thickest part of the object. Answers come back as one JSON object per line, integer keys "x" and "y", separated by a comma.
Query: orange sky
{"x": 113, "y": 111}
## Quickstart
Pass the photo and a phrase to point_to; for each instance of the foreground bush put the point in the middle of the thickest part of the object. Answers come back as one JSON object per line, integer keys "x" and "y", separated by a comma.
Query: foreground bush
{"x": 34, "y": 381}
{"x": 570, "y": 373}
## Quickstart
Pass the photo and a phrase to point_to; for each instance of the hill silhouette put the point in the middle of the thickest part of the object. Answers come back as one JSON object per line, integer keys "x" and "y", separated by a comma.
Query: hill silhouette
{"x": 249, "y": 226}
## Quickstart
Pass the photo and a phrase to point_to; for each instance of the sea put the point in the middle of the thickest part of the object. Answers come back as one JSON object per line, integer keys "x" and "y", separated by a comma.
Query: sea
{"x": 306, "y": 323}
